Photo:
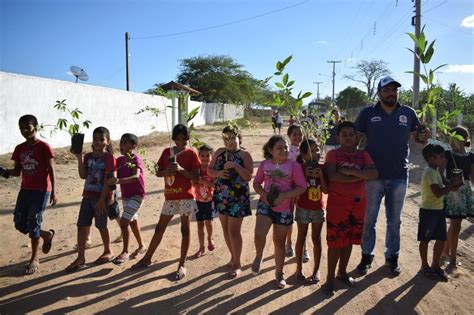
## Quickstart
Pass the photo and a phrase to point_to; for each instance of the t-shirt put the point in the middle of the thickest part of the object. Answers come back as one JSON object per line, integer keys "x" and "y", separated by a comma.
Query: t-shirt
{"x": 312, "y": 198}
{"x": 430, "y": 177}
{"x": 96, "y": 168}
{"x": 463, "y": 162}
{"x": 181, "y": 187}
{"x": 294, "y": 152}
{"x": 285, "y": 177}
{"x": 353, "y": 160}
{"x": 387, "y": 138}
{"x": 125, "y": 168}
{"x": 34, "y": 165}
{"x": 332, "y": 130}
{"x": 203, "y": 193}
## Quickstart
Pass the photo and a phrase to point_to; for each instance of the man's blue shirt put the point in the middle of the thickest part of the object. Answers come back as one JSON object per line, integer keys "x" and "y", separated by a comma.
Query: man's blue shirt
{"x": 387, "y": 138}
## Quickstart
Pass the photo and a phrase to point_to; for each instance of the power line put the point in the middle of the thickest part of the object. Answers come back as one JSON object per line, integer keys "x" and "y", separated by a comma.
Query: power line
{"x": 223, "y": 24}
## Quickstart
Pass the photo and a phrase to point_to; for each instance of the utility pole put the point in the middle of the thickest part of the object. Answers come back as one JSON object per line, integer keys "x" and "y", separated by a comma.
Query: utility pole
{"x": 317, "y": 93}
{"x": 333, "y": 78}
{"x": 416, "y": 22}
{"x": 127, "y": 67}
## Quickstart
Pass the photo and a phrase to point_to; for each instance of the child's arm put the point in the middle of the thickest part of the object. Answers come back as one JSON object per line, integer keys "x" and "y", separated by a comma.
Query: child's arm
{"x": 259, "y": 190}
{"x": 126, "y": 180}
{"x": 245, "y": 171}
{"x": 207, "y": 183}
{"x": 334, "y": 175}
{"x": 15, "y": 171}
{"x": 53, "y": 199}
{"x": 192, "y": 175}
{"x": 322, "y": 179}
{"x": 101, "y": 209}
{"x": 80, "y": 165}
{"x": 440, "y": 192}
{"x": 367, "y": 173}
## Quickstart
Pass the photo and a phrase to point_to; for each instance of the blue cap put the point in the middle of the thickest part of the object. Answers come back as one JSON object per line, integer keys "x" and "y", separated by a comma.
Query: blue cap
{"x": 386, "y": 81}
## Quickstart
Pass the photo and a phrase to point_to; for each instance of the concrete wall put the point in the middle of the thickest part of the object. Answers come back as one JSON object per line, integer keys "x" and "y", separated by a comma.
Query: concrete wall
{"x": 114, "y": 109}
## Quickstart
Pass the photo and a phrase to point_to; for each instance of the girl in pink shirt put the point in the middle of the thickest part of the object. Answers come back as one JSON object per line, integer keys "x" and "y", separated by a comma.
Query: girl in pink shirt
{"x": 278, "y": 181}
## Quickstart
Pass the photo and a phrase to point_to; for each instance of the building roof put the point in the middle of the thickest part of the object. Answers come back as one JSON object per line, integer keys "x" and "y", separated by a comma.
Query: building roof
{"x": 175, "y": 86}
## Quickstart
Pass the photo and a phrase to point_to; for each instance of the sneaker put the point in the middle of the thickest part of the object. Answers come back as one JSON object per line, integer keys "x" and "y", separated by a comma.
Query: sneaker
{"x": 280, "y": 281}
{"x": 289, "y": 251}
{"x": 365, "y": 263}
{"x": 392, "y": 263}
{"x": 306, "y": 257}
{"x": 256, "y": 266}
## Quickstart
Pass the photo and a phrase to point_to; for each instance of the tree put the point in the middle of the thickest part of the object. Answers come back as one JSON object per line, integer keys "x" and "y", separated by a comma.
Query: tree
{"x": 368, "y": 73}
{"x": 351, "y": 97}
{"x": 220, "y": 79}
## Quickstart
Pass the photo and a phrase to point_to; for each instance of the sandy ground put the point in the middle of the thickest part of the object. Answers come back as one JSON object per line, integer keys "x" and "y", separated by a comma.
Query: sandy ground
{"x": 207, "y": 288}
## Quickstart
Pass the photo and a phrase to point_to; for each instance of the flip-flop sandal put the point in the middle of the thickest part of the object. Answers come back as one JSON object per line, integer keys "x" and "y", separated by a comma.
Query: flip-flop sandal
{"x": 140, "y": 265}
{"x": 74, "y": 268}
{"x": 234, "y": 273}
{"x": 138, "y": 251}
{"x": 120, "y": 259}
{"x": 328, "y": 288}
{"x": 103, "y": 260}
{"x": 301, "y": 279}
{"x": 348, "y": 281}
{"x": 211, "y": 247}
{"x": 180, "y": 274}
{"x": 47, "y": 245}
{"x": 31, "y": 268}
{"x": 314, "y": 279}
{"x": 199, "y": 254}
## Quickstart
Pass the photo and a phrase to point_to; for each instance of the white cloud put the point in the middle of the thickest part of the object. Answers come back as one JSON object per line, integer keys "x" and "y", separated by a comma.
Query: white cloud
{"x": 468, "y": 22}
{"x": 459, "y": 69}
{"x": 322, "y": 42}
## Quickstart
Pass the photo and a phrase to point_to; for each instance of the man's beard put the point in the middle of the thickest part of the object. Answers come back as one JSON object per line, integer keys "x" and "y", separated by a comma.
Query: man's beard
{"x": 390, "y": 102}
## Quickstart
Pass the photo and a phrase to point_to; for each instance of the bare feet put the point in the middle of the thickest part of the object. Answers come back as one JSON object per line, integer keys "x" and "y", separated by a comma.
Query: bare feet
{"x": 211, "y": 245}
{"x": 32, "y": 267}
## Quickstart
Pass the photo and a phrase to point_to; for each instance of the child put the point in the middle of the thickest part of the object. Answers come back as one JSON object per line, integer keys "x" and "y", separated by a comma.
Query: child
{"x": 233, "y": 167}
{"x": 179, "y": 166}
{"x": 296, "y": 136}
{"x": 34, "y": 161}
{"x": 95, "y": 168}
{"x": 291, "y": 121}
{"x": 459, "y": 203}
{"x": 131, "y": 178}
{"x": 279, "y": 121}
{"x": 432, "y": 222}
{"x": 309, "y": 208}
{"x": 347, "y": 170}
{"x": 204, "y": 189}
{"x": 283, "y": 180}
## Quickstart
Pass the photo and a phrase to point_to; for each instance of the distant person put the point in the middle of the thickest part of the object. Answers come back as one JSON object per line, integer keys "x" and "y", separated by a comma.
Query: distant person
{"x": 347, "y": 169}
{"x": 34, "y": 161}
{"x": 305, "y": 119}
{"x": 233, "y": 168}
{"x": 204, "y": 190}
{"x": 179, "y": 166}
{"x": 432, "y": 218}
{"x": 95, "y": 167}
{"x": 131, "y": 178}
{"x": 292, "y": 120}
{"x": 331, "y": 142}
{"x": 279, "y": 121}
{"x": 459, "y": 203}
{"x": 387, "y": 126}
{"x": 274, "y": 121}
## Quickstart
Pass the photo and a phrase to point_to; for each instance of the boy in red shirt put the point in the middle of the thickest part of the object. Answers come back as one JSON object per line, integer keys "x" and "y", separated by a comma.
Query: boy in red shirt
{"x": 34, "y": 161}
{"x": 347, "y": 169}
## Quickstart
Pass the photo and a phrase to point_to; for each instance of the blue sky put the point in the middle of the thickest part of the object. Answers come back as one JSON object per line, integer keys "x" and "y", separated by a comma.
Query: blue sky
{"x": 44, "y": 38}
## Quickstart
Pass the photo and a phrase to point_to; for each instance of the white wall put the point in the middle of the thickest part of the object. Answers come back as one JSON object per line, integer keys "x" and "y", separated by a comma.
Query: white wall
{"x": 111, "y": 108}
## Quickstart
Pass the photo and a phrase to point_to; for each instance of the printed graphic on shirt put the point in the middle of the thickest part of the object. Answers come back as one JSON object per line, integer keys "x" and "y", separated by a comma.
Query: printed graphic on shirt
{"x": 28, "y": 163}
{"x": 95, "y": 175}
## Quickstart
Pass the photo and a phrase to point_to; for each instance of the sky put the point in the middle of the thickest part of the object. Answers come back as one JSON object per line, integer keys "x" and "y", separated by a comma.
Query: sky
{"x": 44, "y": 38}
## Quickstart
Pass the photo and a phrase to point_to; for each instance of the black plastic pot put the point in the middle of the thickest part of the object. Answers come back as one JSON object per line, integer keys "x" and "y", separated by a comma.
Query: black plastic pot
{"x": 77, "y": 142}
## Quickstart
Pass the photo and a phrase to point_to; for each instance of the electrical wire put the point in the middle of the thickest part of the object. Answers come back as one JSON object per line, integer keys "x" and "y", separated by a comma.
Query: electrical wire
{"x": 223, "y": 24}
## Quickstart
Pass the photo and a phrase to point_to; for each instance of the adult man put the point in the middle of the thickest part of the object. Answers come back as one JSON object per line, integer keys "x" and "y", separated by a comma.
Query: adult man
{"x": 331, "y": 142}
{"x": 387, "y": 126}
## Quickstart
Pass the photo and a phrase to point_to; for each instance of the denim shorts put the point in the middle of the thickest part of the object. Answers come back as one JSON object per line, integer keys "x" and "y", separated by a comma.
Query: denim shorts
{"x": 205, "y": 211}
{"x": 432, "y": 225}
{"x": 281, "y": 218}
{"x": 29, "y": 209}
{"x": 88, "y": 212}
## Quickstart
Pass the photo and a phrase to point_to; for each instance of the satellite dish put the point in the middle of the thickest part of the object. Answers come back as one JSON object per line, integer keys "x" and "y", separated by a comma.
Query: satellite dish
{"x": 79, "y": 73}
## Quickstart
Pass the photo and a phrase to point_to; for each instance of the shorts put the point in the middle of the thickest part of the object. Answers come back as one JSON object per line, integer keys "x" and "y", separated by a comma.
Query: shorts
{"x": 305, "y": 216}
{"x": 181, "y": 207}
{"x": 29, "y": 209}
{"x": 87, "y": 212}
{"x": 278, "y": 125}
{"x": 345, "y": 220}
{"x": 131, "y": 207}
{"x": 281, "y": 218}
{"x": 205, "y": 211}
{"x": 432, "y": 225}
